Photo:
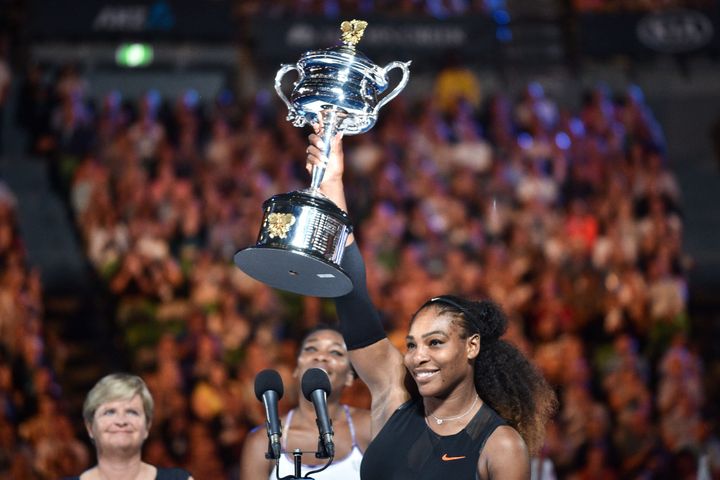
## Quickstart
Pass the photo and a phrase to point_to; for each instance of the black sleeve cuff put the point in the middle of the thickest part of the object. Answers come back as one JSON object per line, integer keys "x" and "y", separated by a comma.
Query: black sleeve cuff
{"x": 359, "y": 320}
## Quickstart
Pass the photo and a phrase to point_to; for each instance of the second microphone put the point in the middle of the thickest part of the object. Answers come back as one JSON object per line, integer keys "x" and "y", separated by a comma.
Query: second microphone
{"x": 316, "y": 388}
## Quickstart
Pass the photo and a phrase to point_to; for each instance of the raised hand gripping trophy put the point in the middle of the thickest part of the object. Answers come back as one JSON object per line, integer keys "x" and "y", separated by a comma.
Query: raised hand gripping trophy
{"x": 303, "y": 233}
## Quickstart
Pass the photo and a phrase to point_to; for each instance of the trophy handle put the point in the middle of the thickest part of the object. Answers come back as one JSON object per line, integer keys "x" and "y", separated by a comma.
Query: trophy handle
{"x": 406, "y": 76}
{"x": 297, "y": 120}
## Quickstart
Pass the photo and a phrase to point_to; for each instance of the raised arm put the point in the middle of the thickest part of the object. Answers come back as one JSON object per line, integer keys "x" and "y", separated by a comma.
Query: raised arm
{"x": 378, "y": 363}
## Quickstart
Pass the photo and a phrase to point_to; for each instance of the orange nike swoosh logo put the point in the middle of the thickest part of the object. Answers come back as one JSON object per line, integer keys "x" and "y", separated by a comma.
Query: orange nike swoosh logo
{"x": 448, "y": 459}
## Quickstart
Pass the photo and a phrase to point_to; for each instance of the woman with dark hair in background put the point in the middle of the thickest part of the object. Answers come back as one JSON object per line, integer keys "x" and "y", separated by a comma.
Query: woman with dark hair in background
{"x": 480, "y": 408}
{"x": 323, "y": 348}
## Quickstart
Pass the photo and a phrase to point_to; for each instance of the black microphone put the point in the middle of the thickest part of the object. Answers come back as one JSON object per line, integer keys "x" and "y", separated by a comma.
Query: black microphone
{"x": 316, "y": 388}
{"x": 269, "y": 389}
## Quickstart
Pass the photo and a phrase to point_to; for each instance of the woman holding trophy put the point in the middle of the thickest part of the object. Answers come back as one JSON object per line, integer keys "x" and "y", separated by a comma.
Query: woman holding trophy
{"x": 480, "y": 406}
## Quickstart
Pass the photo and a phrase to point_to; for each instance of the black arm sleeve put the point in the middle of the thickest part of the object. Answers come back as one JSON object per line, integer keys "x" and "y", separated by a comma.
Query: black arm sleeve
{"x": 359, "y": 320}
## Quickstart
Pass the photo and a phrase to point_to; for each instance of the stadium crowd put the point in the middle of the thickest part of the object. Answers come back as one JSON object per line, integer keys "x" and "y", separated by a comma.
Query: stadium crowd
{"x": 37, "y": 437}
{"x": 569, "y": 218}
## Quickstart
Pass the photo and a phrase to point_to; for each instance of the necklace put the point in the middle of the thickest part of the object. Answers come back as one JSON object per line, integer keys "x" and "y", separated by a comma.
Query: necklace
{"x": 440, "y": 421}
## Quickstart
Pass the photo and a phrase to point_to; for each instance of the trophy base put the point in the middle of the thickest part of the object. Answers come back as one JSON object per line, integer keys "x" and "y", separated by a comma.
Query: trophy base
{"x": 300, "y": 246}
{"x": 293, "y": 271}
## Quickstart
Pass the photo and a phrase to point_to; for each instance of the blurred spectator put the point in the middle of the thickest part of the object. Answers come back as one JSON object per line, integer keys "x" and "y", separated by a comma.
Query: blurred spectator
{"x": 147, "y": 133}
{"x": 708, "y": 449}
{"x": 456, "y": 84}
{"x": 534, "y": 108}
{"x": 5, "y": 85}
{"x": 598, "y": 466}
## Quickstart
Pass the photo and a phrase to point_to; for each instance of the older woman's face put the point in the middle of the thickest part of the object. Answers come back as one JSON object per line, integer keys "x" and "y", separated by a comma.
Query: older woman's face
{"x": 120, "y": 425}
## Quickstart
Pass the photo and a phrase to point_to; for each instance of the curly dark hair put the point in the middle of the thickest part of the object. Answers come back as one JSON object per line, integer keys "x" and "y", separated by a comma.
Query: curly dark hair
{"x": 504, "y": 378}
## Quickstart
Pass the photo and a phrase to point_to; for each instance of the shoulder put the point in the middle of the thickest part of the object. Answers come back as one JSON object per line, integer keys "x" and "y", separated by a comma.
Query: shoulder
{"x": 172, "y": 474}
{"x": 504, "y": 439}
{"x": 86, "y": 475}
{"x": 253, "y": 463}
{"x": 256, "y": 439}
{"x": 505, "y": 455}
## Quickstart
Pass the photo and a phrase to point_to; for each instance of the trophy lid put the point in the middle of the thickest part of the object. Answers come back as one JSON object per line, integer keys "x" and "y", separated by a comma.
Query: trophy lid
{"x": 347, "y": 53}
{"x": 353, "y": 31}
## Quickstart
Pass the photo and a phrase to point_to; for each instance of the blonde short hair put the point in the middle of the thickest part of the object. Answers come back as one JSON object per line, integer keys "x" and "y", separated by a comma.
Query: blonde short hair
{"x": 114, "y": 387}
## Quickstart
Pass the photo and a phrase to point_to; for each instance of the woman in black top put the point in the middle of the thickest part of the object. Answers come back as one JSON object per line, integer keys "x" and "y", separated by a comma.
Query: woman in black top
{"x": 481, "y": 408}
{"x": 118, "y": 412}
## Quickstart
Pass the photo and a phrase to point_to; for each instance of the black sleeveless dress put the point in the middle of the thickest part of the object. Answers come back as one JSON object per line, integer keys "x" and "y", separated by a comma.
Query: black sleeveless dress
{"x": 162, "y": 474}
{"x": 406, "y": 448}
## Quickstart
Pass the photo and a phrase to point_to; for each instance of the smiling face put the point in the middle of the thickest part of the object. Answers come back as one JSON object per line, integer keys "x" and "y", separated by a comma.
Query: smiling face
{"x": 119, "y": 426}
{"x": 437, "y": 356}
{"x": 326, "y": 349}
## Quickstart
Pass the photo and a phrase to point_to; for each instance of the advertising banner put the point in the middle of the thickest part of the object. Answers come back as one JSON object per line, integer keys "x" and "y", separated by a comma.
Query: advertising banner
{"x": 674, "y": 31}
{"x": 197, "y": 20}
{"x": 421, "y": 39}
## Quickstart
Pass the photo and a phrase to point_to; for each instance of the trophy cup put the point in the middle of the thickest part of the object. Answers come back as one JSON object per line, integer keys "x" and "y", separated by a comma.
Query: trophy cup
{"x": 302, "y": 235}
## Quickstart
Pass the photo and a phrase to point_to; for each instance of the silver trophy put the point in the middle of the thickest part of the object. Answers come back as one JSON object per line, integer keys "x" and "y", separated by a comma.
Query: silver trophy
{"x": 303, "y": 233}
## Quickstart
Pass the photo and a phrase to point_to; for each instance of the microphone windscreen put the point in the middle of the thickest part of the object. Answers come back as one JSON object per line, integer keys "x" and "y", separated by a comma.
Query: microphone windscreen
{"x": 268, "y": 380}
{"x": 314, "y": 379}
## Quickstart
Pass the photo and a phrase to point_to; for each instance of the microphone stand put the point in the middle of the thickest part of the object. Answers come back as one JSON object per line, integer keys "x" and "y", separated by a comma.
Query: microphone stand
{"x": 297, "y": 460}
{"x": 297, "y": 457}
